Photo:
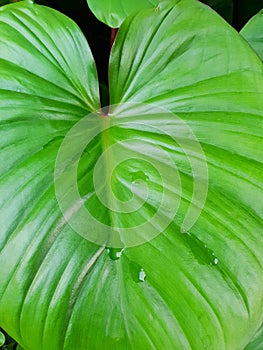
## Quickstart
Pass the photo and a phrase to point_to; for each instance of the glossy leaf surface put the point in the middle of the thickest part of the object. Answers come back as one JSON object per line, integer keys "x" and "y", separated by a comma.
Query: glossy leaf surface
{"x": 257, "y": 341}
{"x": 188, "y": 88}
{"x": 113, "y": 12}
{"x": 253, "y": 33}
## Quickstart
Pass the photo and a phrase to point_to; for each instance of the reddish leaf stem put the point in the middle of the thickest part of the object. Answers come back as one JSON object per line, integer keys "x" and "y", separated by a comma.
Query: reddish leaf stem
{"x": 114, "y": 32}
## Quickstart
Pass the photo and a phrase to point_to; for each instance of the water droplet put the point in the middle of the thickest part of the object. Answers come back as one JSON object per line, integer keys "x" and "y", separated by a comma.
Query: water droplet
{"x": 119, "y": 253}
{"x": 142, "y": 275}
{"x": 115, "y": 253}
{"x": 200, "y": 250}
{"x": 215, "y": 261}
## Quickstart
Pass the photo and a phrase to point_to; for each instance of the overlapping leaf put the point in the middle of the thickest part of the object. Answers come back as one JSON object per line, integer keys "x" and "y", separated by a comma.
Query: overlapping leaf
{"x": 113, "y": 12}
{"x": 257, "y": 341}
{"x": 196, "y": 290}
{"x": 253, "y": 33}
{"x": 2, "y": 338}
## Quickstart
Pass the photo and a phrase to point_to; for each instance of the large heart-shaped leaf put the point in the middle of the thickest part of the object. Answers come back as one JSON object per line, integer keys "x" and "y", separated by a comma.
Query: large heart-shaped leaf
{"x": 113, "y": 12}
{"x": 253, "y": 33}
{"x": 184, "y": 88}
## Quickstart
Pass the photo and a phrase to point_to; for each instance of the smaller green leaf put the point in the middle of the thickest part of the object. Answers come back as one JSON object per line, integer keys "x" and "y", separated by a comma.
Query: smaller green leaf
{"x": 257, "y": 341}
{"x": 113, "y": 12}
{"x": 2, "y": 338}
{"x": 253, "y": 33}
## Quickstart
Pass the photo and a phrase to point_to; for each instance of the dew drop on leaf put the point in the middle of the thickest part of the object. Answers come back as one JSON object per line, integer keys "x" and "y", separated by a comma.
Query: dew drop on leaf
{"x": 142, "y": 275}
{"x": 114, "y": 253}
{"x": 215, "y": 262}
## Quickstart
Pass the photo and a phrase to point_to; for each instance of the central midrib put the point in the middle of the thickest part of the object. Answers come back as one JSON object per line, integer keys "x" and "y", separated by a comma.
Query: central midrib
{"x": 108, "y": 160}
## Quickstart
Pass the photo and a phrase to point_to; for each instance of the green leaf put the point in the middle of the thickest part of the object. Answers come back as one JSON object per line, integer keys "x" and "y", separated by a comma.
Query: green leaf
{"x": 113, "y": 12}
{"x": 186, "y": 113}
{"x": 253, "y": 33}
{"x": 257, "y": 342}
{"x": 2, "y": 338}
